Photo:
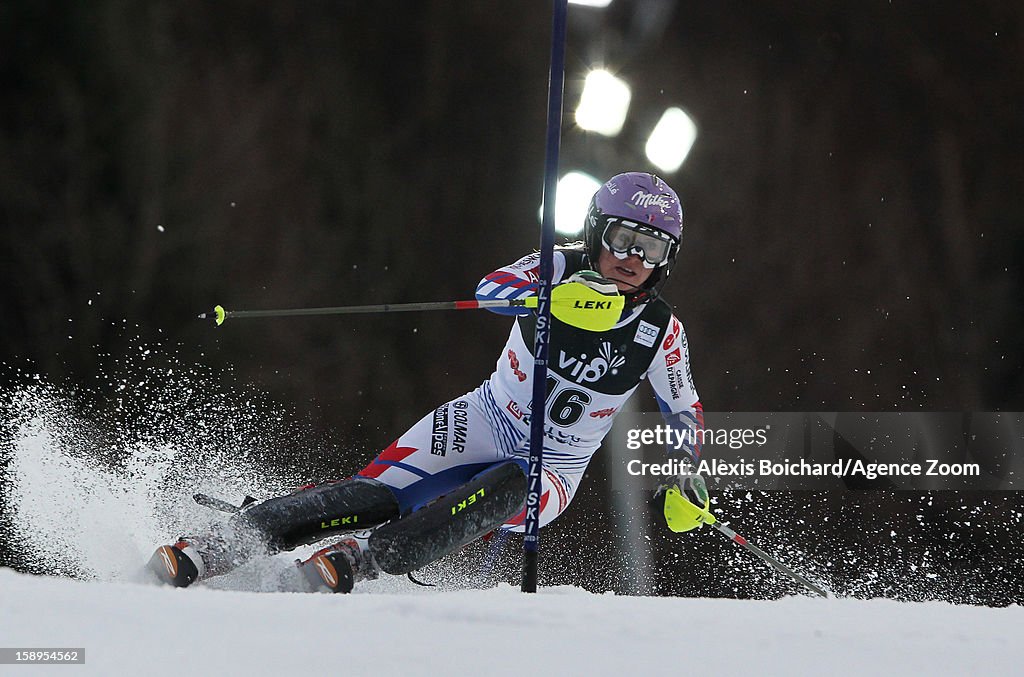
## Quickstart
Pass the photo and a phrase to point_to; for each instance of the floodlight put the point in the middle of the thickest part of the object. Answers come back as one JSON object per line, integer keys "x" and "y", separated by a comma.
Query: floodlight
{"x": 574, "y": 192}
{"x": 603, "y": 104}
{"x": 671, "y": 140}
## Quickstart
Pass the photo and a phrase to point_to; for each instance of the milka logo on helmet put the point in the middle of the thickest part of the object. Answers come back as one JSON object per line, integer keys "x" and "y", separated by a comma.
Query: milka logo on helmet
{"x": 642, "y": 199}
{"x": 588, "y": 372}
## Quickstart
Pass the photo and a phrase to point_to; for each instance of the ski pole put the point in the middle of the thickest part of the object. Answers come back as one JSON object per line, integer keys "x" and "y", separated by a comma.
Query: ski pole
{"x": 574, "y": 303}
{"x": 682, "y": 514}
{"x": 219, "y": 314}
{"x": 779, "y": 566}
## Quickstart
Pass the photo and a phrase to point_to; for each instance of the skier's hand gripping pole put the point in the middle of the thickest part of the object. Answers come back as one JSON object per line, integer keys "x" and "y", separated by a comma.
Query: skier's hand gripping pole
{"x": 682, "y": 514}
{"x": 687, "y": 504}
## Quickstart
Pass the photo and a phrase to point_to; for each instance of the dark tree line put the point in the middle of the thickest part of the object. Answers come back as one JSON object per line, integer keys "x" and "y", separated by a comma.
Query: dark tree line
{"x": 853, "y": 238}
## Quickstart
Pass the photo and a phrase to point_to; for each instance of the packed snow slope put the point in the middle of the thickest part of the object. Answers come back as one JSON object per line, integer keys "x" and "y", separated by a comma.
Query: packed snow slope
{"x": 90, "y": 482}
{"x": 135, "y": 629}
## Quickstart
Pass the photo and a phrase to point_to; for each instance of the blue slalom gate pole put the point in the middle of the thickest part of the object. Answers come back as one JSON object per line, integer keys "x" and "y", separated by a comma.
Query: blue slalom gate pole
{"x": 531, "y": 542}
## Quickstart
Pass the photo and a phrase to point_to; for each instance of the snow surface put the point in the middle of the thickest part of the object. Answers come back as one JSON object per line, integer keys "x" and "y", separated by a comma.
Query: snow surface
{"x": 137, "y": 629}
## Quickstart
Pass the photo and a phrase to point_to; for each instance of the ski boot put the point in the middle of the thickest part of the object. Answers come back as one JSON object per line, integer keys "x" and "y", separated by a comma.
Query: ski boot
{"x": 178, "y": 565}
{"x": 337, "y": 567}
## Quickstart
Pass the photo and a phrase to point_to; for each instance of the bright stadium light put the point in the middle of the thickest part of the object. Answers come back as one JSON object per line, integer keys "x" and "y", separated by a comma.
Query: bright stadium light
{"x": 671, "y": 140}
{"x": 574, "y": 192}
{"x": 603, "y": 104}
{"x": 600, "y": 4}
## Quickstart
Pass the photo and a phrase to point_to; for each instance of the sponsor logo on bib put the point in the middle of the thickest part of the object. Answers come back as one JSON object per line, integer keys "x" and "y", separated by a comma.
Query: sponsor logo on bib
{"x": 646, "y": 334}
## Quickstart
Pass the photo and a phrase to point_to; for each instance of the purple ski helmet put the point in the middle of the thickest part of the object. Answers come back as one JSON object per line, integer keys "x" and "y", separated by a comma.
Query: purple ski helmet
{"x": 644, "y": 203}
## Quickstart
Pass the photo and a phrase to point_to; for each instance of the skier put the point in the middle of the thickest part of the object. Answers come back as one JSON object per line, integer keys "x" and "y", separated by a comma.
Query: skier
{"x": 461, "y": 471}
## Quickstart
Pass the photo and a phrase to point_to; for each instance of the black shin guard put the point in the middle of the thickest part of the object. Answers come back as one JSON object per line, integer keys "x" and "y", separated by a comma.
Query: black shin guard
{"x": 450, "y": 522}
{"x": 313, "y": 514}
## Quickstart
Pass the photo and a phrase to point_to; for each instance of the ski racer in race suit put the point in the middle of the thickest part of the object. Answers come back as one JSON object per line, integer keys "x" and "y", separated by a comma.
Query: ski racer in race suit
{"x": 460, "y": 472}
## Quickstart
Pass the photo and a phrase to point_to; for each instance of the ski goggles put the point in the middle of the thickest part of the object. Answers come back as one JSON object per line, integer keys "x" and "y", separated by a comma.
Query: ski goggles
{"x": 625, "y": 238}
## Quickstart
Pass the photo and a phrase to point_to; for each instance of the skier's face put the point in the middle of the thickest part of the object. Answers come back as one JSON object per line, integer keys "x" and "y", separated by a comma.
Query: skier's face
{"x": 628, "y": 274}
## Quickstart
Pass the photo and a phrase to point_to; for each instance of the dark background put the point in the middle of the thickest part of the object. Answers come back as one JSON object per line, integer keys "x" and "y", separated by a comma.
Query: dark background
{"x": 852, "y": 237}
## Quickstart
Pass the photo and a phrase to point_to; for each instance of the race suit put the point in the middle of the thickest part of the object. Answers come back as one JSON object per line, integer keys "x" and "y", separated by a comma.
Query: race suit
{"x": 590, "y": 377}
